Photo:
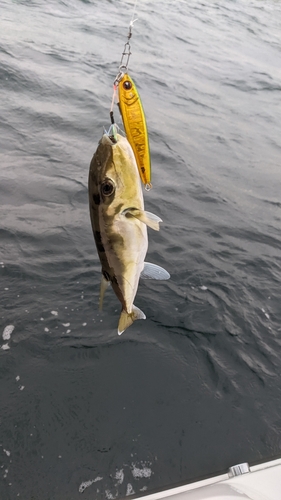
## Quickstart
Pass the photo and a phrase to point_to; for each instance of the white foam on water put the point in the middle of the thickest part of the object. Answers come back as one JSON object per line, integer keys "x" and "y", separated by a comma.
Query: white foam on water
{"x": 109, "y": 495}
{"x": 140, "y": 473}
{"x": 130, "y": 490}
{"x": 6, "y": 288}
{"x": 8, "y": 330}
{"x": 119, "y": 476}
{"x": 86, "y": 484}
{"x": 8, "y": 453}
{"x": 265, "y": 313}
{"x": 5, "y": 347}
{"x": 65, "y": 324}
{"x": 54, "y": 313}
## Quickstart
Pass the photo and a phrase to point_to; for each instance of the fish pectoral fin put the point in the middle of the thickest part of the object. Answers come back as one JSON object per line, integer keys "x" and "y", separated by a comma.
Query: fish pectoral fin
{"x": 103, "y": 286}
{"x": 147, "y": 218}
{"x": 127, "y": 319}
{"x": 154, "y": 272}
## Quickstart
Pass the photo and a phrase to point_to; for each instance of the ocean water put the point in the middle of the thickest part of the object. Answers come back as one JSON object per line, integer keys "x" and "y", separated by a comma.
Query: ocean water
{"x": 196, "y": 387}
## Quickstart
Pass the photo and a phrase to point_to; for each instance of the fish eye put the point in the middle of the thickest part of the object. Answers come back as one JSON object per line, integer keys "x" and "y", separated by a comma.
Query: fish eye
{"x": 127, "y": 85}
{"x": 107, "y": 187}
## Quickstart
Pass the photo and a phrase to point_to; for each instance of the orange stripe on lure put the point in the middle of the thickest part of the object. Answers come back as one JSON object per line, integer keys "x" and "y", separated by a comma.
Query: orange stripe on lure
{"x": 135, "y": 126}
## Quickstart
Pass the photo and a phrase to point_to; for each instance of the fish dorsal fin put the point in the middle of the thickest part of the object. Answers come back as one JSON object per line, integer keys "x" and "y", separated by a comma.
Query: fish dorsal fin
{"x": 147, "y": 218}
{"x": 103, "y": 286}
{"x": 154, "y": 272}
{"x": 127, "y": 319}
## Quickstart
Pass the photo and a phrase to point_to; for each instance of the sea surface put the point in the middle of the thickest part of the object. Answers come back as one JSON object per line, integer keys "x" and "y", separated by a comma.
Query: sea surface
{"x": 196, "y": 387}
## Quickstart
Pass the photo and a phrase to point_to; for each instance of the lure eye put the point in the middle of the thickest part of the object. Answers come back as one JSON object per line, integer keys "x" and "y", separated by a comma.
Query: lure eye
{"x": 107, "y": 187}
{"x": 127, "y": 85}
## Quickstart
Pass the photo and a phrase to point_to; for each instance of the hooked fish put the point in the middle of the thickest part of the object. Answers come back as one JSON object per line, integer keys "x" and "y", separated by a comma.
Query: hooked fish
{"x": 119, "y": 224}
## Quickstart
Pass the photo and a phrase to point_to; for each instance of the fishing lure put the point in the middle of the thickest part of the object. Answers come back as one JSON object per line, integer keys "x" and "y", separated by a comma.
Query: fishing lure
{"x": 135, "y": 125}
{"x": 132, "y": 114}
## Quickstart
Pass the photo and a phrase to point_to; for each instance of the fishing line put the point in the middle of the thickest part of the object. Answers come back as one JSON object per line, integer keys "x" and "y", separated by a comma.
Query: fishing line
{"x": 132, "y": 113}
{"x": 123, "y": 66}
{"x": 132, "y": 20}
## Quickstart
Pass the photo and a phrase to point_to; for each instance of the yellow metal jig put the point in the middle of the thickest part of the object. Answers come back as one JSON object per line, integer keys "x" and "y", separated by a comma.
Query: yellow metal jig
{"x": 132, "y": 113}
{"x": 135, "y": 126}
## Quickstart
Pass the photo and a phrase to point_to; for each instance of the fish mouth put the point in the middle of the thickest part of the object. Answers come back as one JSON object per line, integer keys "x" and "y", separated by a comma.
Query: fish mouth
{"x": 108, "y": 140}
{"x": 110, "y": 137}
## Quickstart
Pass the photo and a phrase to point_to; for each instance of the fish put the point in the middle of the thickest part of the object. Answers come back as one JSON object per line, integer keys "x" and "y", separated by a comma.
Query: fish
{"x": 119, "y": 224}
{"x": 134, "y": 122}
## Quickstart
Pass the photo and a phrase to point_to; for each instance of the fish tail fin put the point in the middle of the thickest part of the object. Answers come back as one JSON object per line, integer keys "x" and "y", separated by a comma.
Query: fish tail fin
{"x": 127, "y": 319}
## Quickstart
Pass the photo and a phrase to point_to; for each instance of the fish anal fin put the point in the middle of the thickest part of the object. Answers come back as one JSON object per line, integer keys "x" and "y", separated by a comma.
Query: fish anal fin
{"x": 154, "y": 272}
{"x": 147, "y": 218}
{"x": 127, "y": 319}
{"x": 103, "y": 287}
